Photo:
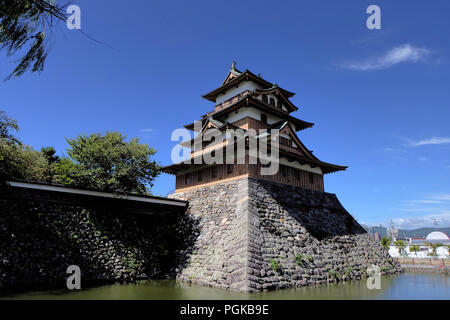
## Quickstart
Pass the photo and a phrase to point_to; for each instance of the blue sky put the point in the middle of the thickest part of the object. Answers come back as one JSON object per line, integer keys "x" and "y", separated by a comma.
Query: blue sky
{"x": 380, "y": 99}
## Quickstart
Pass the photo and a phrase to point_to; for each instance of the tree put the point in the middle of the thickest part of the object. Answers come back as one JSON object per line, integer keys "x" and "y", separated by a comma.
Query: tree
{"x": 50, "y": 154}
{"x": 385, "y": 242}
{"x": 108, "y": 163}
{"x": 25, "y": 24}
{"x": 21, "y": 162}
{"x": 6, "y": 126}
{"x": 18, "y": 161}
{"x": 434, "y": 247}
{"x": 414, "y": 249}
{"x": 400, "y": 245}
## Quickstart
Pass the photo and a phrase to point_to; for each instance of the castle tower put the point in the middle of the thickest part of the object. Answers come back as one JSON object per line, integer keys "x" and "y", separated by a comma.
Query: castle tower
{"x": 246, "y": 101}
{"x": 257, "y": 231}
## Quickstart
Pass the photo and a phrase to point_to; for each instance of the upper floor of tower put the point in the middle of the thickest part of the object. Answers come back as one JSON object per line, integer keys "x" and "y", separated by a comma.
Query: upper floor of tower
{"x": 239, "y": 84}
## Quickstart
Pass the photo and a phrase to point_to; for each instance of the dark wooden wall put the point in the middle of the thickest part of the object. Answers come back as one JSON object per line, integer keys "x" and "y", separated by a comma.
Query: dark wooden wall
{"x": 222, "y": 173}
{"x": 291, "y": 176}
{"x": 285, "y": 175}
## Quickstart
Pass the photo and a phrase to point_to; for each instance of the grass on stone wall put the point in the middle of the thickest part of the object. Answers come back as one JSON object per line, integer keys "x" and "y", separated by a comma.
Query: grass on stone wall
{"x": 275, "y": 264}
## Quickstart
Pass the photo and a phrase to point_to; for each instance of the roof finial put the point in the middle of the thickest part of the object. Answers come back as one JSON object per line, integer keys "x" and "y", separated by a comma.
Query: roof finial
{"x": 233, "y": 65}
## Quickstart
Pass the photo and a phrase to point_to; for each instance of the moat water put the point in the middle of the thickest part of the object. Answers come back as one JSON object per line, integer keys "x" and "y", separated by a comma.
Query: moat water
{"x": 403, "y": 286}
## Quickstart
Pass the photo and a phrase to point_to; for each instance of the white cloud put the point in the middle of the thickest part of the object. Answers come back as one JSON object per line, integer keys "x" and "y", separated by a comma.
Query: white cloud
{"x": 432, "y": 209}
{"x": 430, "y": 141}
{"x": 147, "y": 130}
{"x": 423, "y": 159}
{"x": 427, "y": 201}
{"x": 441, "y": 220}
{"x": 442, "y": 197}
{"x": 396, "y": 55}
{"x": 414, "y": 205}
{"x": 148, "y": 133}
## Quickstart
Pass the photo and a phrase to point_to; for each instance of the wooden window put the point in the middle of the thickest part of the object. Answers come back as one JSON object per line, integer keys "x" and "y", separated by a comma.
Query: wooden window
{"x": 272, "y": 102}
{"x": 187, "y": 179}
{"x": 213, "y": 172}
{"x": 263, "y": 118}
{"x": 200, "y": 175}
{"x": 230, "y": 168}
{"x": 286, "y": 141}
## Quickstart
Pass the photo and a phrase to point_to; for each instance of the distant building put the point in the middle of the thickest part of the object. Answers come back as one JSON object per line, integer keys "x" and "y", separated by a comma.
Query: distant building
{"x": 425, "y": 250}
{"x": 392, "y": 232}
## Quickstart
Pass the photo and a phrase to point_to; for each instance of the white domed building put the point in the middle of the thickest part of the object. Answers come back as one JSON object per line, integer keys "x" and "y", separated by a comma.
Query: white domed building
{"x": 435, "y": 244}
{"x": 437, "y": 235}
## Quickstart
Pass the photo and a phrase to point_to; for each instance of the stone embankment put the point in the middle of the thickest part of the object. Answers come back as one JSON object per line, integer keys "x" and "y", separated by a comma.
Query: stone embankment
{"x": 256, "y": 235}
{"x": 38, "y": 241}
{"x": 244, "y": 235}
{"x": 434, "y": 265}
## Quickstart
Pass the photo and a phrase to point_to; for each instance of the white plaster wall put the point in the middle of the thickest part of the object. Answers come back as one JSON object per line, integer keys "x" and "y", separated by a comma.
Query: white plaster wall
{"x": 230, "y": 93}
{"x": 252, "y": 113}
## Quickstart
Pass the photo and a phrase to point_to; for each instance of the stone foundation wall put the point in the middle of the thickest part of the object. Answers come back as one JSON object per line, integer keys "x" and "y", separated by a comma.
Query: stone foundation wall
{"x": 38, "y": 241}
{"x": 257, "y": 235}
{"x": 217, "y": 254}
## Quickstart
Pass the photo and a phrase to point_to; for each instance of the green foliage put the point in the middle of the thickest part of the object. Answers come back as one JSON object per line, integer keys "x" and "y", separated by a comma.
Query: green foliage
{"x": 50, "y": 154}
{"x": 66, "y": 172}
{"x": 385, "y": 242}
{"x": 400, "y": 244}
{"x": 23, "y": 25}
{"x": 332, "y": 273}
{"x": 22, "y": 162}
{"x": 102, "y": 162}
{"x": 130, "y": 262}
{"x": 6, "y": 126}
{"x": 348, "y": 271}
{"x": 299, "y": 258}
{"x": 108, "y": 163}
{"x": 414, "y": 248}
{"x": 433, "y": 247}
{"x": 275, "y": 265}
{"x": 18, "y": 161}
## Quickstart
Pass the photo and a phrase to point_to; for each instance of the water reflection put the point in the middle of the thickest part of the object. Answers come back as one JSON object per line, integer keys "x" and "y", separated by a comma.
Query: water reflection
{"x": 404, "y": 286}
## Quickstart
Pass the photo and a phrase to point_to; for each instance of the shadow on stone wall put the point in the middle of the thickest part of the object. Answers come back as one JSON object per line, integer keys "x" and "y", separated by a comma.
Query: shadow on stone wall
{"x": 40, "y": 240}
{"x": 188, "y": 229}
{"x": 320, "y": 213}
{"x": 303, "y": 237}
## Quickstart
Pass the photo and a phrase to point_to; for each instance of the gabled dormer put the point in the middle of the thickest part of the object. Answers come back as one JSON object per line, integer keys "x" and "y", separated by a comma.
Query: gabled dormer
{"x": 237, "y": 82}
{"x": 275, "y": 97}
{"x": 233, "y": 73}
